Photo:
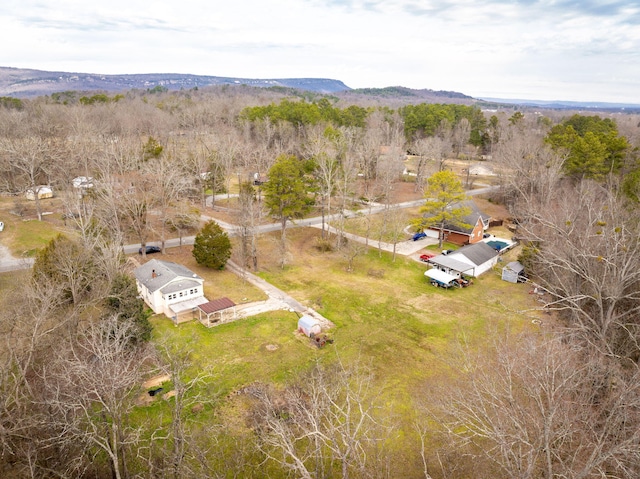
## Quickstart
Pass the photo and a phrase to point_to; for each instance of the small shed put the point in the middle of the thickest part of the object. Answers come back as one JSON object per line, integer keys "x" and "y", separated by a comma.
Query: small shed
{"x": 218, "y": 308}
{"x": 513, "y": 272}
{"x": 308, "y": 325}
{"x": 43, "y": 191}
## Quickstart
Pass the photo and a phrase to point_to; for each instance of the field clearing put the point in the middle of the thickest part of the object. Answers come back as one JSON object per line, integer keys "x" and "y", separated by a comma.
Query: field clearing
{"x": 397, "y": 323}
{"x": 25, "y": 235}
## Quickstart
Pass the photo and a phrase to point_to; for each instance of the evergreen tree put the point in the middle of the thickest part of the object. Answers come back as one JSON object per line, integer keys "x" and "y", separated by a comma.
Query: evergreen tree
{"x": 212, "y": 247}
{"x": 592, "y": 145}
{"x": 124, "y": 301}
{"x": 286, "y": 190}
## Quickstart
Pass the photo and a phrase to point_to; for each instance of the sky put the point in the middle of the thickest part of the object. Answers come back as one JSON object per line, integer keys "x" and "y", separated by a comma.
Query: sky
{"x": 571, "y": 50}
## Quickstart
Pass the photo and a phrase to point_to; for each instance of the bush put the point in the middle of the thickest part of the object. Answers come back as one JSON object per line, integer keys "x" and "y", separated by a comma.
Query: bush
{"x": 323, "y": 245}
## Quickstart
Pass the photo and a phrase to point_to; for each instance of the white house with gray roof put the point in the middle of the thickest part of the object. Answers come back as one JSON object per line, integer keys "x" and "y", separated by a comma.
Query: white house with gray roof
{"x": 170, "y": 289}
{"x": 471, "y": 260}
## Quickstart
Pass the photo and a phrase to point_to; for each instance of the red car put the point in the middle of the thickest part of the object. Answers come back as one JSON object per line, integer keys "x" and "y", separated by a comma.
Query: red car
{"x": 426, "y": 257}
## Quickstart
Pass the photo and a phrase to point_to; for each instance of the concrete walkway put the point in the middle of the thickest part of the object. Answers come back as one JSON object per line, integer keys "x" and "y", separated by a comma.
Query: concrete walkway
{"x": 10, "y": 263}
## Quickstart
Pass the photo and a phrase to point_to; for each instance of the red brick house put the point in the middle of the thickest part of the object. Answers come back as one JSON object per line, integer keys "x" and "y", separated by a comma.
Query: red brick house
{"x": 478, "y": 220}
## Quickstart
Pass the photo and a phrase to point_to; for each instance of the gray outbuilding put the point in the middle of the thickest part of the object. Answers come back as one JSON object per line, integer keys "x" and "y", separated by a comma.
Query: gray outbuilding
{"x": 513, "y": 272}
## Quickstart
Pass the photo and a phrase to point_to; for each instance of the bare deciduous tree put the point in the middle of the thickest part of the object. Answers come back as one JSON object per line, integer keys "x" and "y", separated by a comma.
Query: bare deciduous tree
{"x": 90, "y": 393}
{"x": 248, "y": 218}
{"x": 430, "y": 148}
{"x": 168, "y": 185}
{"x": 324, "y": 425}
{"x": 538, "y": 407}
{"x": 589, "y": 262}
{"x": 31, "y": 158}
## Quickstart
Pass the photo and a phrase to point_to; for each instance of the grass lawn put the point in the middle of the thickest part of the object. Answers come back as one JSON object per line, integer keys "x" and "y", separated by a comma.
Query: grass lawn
{"x": 260, "y": 348}
{"x": 25, "y": 235}
{"x": 374, "y": 223}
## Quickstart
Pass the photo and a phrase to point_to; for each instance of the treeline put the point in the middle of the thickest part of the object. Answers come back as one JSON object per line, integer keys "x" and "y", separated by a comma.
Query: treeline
{"x": 301, "y": 113}
{"x": 426, "y": 119}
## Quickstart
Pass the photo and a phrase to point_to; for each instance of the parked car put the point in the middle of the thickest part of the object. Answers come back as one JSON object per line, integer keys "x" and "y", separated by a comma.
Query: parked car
{"x": 1, "y": 226}
{"x": 150, "y": 249}
{"x": 442, "y": 284}
{"x": 426, "y": 257}
{"x": 419, "y": 236}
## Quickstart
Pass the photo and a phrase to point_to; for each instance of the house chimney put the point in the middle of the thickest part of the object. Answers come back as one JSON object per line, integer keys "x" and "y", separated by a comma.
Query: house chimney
{"x": 153, "y": 273}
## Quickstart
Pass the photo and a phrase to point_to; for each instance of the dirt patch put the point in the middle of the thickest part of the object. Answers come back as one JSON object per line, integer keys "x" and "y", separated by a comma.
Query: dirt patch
{"x": 144, "y": 399}
{"x": 271, "y": 347}
{"x": 156, "y": 381}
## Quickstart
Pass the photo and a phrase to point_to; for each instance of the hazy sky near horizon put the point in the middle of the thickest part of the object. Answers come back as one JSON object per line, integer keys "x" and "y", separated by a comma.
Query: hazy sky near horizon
{"x": 584, "y": 50}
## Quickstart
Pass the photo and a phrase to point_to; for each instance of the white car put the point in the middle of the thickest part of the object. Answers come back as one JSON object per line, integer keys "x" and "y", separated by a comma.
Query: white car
{"x": 1, "y": 226}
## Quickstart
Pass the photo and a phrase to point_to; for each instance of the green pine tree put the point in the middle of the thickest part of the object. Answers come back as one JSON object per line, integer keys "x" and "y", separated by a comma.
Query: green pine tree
{"x": 212, "y": 247}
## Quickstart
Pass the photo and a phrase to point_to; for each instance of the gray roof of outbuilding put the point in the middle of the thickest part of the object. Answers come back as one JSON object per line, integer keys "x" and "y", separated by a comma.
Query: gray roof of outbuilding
{"x": 165, "y": 272}
{"x": 515, "y": 266}
{"x": 477, "y": 253}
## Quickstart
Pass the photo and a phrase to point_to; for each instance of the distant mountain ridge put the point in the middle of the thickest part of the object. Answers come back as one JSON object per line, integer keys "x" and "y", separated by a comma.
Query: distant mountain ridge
{"x": 26, "y": 83}
{"x": 565, "y": 104}
{"x": 22, "y": 82}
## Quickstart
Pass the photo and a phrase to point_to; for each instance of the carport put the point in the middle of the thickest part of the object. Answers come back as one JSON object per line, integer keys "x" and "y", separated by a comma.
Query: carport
{"x": 216, "y": 308}
{"x": 450, "y": 265}
{"x": 440, "y": 278}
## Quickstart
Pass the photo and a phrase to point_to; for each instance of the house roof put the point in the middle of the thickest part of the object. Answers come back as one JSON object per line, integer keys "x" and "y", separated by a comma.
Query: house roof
{"x": 477, "y": 253}
{"x": 179, "y": 285}
{"x": 216, "y": 305}
{"x": 470, "y": 219}
{"x": 156, "y": 274}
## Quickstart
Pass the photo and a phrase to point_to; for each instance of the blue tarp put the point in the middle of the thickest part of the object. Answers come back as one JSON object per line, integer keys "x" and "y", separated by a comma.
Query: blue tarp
{"x": 497, "y": 245}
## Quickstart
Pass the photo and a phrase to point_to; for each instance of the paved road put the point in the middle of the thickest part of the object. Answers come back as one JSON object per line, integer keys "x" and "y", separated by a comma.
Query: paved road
{"x": 8, "y": 263}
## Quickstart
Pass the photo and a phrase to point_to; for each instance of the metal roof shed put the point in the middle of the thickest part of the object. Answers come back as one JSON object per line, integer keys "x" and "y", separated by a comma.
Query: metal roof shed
{"x": 308, "y": 325}
{"x": 216, "y": 307}
{"x": 512, "y": 272}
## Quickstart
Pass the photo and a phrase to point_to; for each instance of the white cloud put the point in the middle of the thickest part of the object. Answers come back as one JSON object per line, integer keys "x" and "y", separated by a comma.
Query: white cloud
{"x": 545, "y": 49}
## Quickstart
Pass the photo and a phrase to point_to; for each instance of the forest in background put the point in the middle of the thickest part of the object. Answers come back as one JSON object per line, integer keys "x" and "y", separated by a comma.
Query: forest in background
{"x": 561, "y": 402}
